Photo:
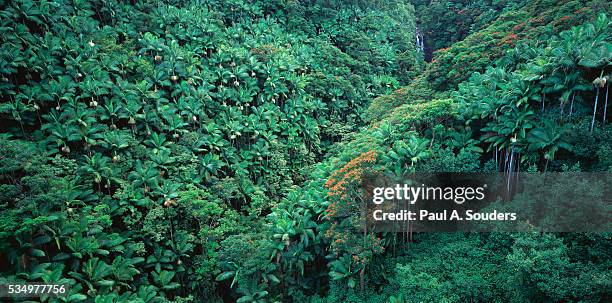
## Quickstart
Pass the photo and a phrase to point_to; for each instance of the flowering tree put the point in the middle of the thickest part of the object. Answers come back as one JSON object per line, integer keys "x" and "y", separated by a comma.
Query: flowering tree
{"x": 352, "y": 244}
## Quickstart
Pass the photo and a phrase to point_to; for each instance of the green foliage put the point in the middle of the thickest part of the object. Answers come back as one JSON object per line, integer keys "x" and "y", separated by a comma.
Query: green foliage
{"x": 139, "y": 135}
{"x": 532, "y": 108}
{"x": 443, "y": 23}
{"x": 188, "y": 151}
{"x": 537, "y": 21}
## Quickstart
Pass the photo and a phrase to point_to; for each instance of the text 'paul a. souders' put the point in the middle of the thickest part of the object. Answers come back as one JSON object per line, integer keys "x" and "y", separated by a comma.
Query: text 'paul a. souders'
{"x": 445, "y": 215}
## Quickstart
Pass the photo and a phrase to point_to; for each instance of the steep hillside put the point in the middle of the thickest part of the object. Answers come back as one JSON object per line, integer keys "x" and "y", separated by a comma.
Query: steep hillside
{"x": 536, "y": 102}
{"x": 216, "y": 151}
{"x": 138, "y": 135}
{"x": 443, "y": 23}
{"x": 534, "y": 24}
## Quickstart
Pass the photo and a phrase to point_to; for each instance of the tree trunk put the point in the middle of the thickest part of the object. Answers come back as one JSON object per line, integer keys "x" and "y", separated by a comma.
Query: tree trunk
{"x": 495, "y": 155}
{"x": 606, "y": 105}
{"x": 509, "y": 183}
{"x": 595, "y": 109}
{"x": 518, "y": 167}
{"x": 572, "y": 104}
{"x": 433, "y": 136}
{"x": 362, "y": 279}
{"x": 282, "y": 274}
{"x": 364, "y": 213}
{"x": 505, "y": 167}
{"x": 23, "y": 133}
{"x": 406, "y": 227}
{"x": 410, "y": 228}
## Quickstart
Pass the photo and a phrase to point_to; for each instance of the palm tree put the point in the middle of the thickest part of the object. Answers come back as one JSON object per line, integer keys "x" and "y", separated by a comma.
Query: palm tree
{"x": 158, "y": 142}
{"x": 97, "y": 167}
{"x": 406, "y": 154}
{"x": 598, "y": 83}
{"x": 548, "y": 138}
{"x": 462, "y": 140}
{"x": 144, "y": 176}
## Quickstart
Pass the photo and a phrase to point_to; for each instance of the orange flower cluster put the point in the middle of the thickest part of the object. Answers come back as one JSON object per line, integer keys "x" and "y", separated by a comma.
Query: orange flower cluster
{"x": 350, "y": 173}
{"x": 330, "y": 232}
{"x": 332, "y": 209}
{"x": 510, "y": 39}
{"x": 339, "y": 239}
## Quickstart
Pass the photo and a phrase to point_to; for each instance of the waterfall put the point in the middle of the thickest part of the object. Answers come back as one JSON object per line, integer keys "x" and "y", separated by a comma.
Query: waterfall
{"x": 419, "y": 41}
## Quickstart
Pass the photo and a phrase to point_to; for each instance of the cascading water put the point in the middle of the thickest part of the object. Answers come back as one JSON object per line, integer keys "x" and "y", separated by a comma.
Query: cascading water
{"x": 419, "y": 41}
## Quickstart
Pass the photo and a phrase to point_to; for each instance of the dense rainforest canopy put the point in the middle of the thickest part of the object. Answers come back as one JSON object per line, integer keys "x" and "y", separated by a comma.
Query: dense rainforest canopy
{"x": 210, "y": 150}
